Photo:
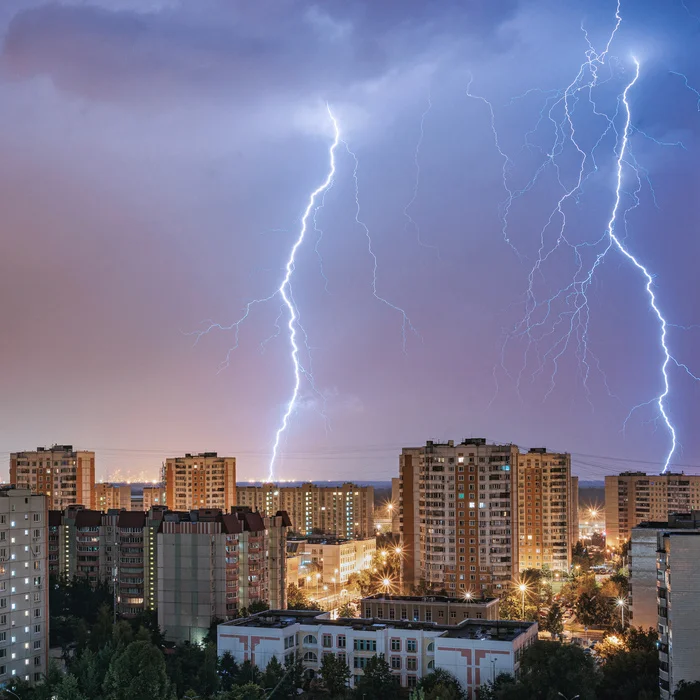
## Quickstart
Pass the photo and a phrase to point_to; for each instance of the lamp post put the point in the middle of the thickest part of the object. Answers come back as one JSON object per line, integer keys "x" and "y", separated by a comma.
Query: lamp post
{"x": 523, "y": 588}
{"x": 399, "y": 552}
{"x": 621, "y": 603}
{"x": 318, "y": 579}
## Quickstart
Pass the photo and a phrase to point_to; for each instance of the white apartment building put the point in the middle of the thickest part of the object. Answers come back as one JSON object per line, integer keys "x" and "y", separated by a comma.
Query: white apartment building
{"x": 678, "y": 598}
{"x": 473, "y": 651}
{"x": 24, "y": 604}
{"x": 643, "y": 559}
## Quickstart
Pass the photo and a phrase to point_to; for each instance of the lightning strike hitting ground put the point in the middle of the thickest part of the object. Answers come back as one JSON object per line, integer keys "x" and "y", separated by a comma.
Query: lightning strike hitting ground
{"x": 285, "y": 292}
{"x": 559, "y": 323}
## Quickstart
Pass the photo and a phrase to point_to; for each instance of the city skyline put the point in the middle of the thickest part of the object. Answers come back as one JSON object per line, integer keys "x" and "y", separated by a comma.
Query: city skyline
{"x": 173, "y": 170}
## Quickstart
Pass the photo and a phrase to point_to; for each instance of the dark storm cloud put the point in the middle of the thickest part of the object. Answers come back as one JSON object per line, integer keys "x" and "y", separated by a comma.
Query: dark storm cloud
{"x": 122, "y": 54}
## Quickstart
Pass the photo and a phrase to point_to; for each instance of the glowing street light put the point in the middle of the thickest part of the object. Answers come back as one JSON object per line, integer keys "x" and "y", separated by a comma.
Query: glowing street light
{"x": 523, "y": 589}
{"x": 621, "y": 604}
{"x": 387, "y": 584}
{"x": 467, "y": 595}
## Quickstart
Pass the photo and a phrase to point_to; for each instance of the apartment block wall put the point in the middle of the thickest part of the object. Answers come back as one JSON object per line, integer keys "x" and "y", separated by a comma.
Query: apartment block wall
{"x": 24, "y": 612}
{"x": 112, "y": 496}
{"x": 64, "y": 475}
{"x": 342, "y": 511}
{"x": 632, "y": 498}
{"x": 679, "y": 610}
{"x": 547, "y": 520}
{"x": 200, "y": 481}
{"x": 212, "y": 565}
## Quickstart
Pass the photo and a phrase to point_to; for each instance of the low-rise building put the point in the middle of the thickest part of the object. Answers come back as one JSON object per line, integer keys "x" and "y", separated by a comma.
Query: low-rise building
{"x": 213, "y": 565}
{"x": 440, "y": 609}
{"x": 473, "y": 651}
{"x": 153, "y": 496}
{"x": 335, "y": 559}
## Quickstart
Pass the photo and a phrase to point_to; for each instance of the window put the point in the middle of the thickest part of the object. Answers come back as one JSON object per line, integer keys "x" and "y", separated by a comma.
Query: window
{"x": 310, "y": 639}
{"x": 431, "y": 647}
{"x": 364, "y": 645}
{"x": 396, "y": 645}
{"x": 310, "y": 657}
{"x": 411, "y": 646}
{"x": 37, "y": 644}
{"x": 341, "y": 641}
{"x": 327, "y": 641}
{"x": 411, "y": 663}
{"x": 341, "y": 656}
{"x": 360, "y": 661}
{"x": 396, "y": 663}
{"x": 412, "y": 681}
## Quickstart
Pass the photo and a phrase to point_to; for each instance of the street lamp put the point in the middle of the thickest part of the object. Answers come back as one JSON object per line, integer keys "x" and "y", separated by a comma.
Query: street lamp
{"x": 565, "y": 698}
{"x": 387, "y": 584}
{"x": 468, "y": 595}
{"x": 318, "y": 579}
{"x": 621, "y": 604}
{"x": 523, "y": 588}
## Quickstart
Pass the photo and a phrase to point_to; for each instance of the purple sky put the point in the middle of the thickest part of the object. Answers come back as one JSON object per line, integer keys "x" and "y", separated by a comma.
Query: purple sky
{"x": 156, "y": 159}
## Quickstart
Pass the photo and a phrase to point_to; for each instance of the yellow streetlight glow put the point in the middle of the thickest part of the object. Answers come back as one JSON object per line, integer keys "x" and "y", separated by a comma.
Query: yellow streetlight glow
{"x": 522, "y": 587}
{"x": 387, "y": 582}
{"x": 398, "y": 550}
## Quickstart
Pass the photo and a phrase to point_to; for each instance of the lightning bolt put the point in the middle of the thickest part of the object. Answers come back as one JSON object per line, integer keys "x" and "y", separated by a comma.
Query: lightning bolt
{"x": 561, "y": 320}
{"x": 288, "y": 306}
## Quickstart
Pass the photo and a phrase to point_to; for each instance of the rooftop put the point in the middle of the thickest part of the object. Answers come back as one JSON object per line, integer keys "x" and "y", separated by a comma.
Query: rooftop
{"x": 430, "y": 599}
{"x": 496, "y": 630}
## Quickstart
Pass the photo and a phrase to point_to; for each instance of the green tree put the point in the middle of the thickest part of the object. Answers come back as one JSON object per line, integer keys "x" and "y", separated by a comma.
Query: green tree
{"x": 228, "y": 670}
{"x": 630, "y": 668}
{"x": 69, "y": 689}
{"x": 347, "y": 610}
{"x": 298, "y": 600}
{"x": 335, "y": 674}
{"x": 687, "y": 691}
{"x": 138, "y": 673}
{"x": 208, "y": 677}
{"x": 377, "y": 681}
{"x": 505, "y": 687}
{"x": 273, "y": 673}
{"x": 553, "y": 620}
{"x": 258, "y": 606}
{"x": 550, "y": 668}
{"x": 249, "y": 691}
{"x": 441, "y": 685}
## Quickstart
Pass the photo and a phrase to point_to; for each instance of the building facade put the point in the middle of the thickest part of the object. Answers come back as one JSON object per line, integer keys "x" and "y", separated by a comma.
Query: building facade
{"x": 342, "y": 511}
{"x": 473, "y": 515}
{"x": 335, "y": 560}
{"x": 200, "y": 481}
{"x": 678, "y": 592}
{"x": 632, "y": 498}
{"x": 118, "y": 546}
{"x": 64, "y": 475}
{"x": 547, "y": 510}
{"x": 643, "y": 560}
{"x": 112, "y": 497}
{"x": 212, "y": 565}
{"x": 458, "y": 522}
{"x": 153, "y": 496}
{"x": 24, "y": 599}
{"x": 439, "y": 609}
{"x": 474, "y": 652}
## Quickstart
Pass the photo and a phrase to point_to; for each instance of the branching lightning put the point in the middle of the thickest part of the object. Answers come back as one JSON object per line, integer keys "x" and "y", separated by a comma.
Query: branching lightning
{"x": 288, "y": 305}
{"x": 559, "y": 322}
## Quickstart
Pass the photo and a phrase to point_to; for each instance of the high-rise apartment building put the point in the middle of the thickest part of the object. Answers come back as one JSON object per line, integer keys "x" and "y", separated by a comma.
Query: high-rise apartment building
{"x": 200, "y": 481}
{"x": 473, "y": 515}
{"x": 112, "y": 496}
{"x": 643, "y": 559}
{"x": 547, "y": 506}
{"x": 458, "y": 519}
{"x": 64, "y": 475}
{"x": 342, "y": 511}
{"x": 24, "y": 599}
{"x": 632, "y": 498}
{"x": 678, "y": 592}
{"x": 334, "y": 559}
{"x": 212, "y": 565}
{"x": 107, "y": 547}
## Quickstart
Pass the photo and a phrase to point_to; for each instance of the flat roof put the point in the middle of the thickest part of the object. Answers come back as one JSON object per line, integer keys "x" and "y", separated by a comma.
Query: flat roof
{"x": 496, "y": 630}
{"x": 378, "y": 597}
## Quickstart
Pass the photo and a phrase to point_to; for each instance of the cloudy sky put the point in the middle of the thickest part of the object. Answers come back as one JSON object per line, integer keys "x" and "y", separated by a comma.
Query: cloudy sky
{"x": 157, "y": 157}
